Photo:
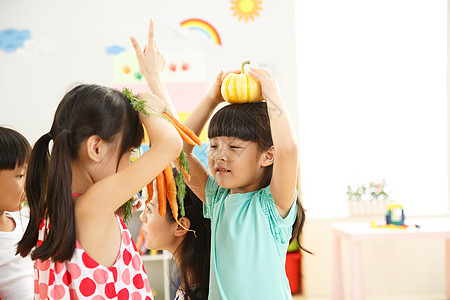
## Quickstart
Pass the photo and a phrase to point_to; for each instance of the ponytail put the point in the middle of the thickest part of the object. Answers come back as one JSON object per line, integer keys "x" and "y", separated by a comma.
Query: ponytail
{"x": 194, "y": 251}
{"x": 50, "y": 199}
{"x": 35, "y": 188}
{"x": 60, "y": 241}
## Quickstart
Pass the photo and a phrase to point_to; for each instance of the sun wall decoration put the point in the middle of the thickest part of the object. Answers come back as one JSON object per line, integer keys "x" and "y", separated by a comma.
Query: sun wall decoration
{"x": 246, "y": 9}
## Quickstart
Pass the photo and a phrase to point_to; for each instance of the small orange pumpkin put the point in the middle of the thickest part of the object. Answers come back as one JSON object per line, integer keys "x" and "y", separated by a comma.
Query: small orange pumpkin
{"x": 241, "y": 88}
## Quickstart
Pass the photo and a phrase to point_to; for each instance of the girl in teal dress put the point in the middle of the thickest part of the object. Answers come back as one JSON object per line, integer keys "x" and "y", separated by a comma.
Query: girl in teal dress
{"x": 249, "y": 191}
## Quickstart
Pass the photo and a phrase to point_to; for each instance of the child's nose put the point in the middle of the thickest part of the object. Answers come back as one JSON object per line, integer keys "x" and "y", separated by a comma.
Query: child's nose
{"x": 220, "y": 156}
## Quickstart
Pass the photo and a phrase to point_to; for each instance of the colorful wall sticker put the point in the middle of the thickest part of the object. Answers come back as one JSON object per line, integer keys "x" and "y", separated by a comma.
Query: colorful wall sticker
{"x": 114, "y": 50}
{"x": 13, "y": 39}
{"x": 204, "y": 27}
{"x": 246, "y": 9}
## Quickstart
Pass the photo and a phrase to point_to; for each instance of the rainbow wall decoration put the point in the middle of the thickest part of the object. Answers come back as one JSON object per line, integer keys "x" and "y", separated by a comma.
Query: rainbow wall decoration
{"x": 202, "y": 26}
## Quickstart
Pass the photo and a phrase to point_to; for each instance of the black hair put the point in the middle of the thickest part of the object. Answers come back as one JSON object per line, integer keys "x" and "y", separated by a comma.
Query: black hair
{"x": 86, "y": 110}
{"x": 194, "y": 250}
{"x": 14, "y": 148}
{"x": 250, "y": 122}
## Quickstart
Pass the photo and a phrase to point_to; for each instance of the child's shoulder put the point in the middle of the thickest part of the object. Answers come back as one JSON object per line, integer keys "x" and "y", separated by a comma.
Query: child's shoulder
{"x": 20, "y": 218}
{"x": 18, "y": 215}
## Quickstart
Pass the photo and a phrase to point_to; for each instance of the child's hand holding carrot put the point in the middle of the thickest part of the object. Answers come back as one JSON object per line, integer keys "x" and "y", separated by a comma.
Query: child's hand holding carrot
{"x": 153, "y": 103}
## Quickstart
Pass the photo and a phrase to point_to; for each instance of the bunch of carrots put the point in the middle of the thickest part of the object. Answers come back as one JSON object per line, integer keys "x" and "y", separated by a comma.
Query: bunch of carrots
{"x": 167, "y": 185}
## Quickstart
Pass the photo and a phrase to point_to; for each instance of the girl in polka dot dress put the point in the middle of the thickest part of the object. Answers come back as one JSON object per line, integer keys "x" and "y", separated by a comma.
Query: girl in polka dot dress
{"x": 81, "y": 248}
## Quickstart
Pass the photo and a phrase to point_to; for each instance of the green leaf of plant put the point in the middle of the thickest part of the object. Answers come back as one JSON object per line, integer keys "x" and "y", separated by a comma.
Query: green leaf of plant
{"x": 181, "y": 192}
{"x": 127, "y": 209}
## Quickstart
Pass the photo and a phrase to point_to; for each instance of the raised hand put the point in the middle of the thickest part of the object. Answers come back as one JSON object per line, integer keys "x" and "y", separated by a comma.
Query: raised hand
{"x": 154, "y": 103}
{"x": 151, "y": 61}
{"x": 151, "y": 65}
{"x": 269, "y": 86}
{"x": 214, "y": 92}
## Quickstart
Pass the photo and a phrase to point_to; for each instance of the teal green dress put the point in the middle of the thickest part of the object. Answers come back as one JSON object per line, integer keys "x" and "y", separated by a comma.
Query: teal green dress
{"x": 249, "y": 240}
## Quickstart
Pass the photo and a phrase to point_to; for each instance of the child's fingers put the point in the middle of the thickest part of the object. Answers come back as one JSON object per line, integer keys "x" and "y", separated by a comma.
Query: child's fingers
{"x": 260, "y": 74}
{"x": 255, "y": 74}
{"x": 144, "y": 95}
{"x": 150, "y": 35}
{"x": 155, "y": 45}
{"x": 137, "y": 205}
{"x": 136, "y": 47}
{"x": 220, "y": 76}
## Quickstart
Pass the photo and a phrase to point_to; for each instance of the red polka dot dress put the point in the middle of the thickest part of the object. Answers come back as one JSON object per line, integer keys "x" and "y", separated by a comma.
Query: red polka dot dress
{"x": 83, "y": 278}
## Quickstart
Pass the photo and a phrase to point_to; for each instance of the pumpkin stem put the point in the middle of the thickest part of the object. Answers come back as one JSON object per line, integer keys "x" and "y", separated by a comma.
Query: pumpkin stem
{"x": 243, "y": 64}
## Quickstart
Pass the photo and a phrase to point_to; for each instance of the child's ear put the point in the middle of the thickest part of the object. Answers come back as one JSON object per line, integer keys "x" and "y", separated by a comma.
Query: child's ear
{"x": 95, "y": 147}
{"x": 180, "y": 231}
{"x": 268, "y": 157}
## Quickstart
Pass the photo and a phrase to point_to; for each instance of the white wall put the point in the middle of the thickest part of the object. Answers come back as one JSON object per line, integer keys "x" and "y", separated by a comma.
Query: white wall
{"x": 81, "y": 30}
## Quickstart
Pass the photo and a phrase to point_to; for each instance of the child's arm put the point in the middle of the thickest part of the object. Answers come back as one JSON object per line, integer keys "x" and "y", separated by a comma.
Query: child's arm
{"x": 283, "y": 183}
{"x": 117, "y": 188}
{"x": 151, "y": 65}
{"x": 197, "y": 121}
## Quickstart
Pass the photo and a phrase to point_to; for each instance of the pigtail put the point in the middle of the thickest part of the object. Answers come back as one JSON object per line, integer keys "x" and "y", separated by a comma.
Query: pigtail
{"x": 194, "y": 250}
{"x": 61, "y": 238}
{"x": 298, "y": 225}
{"x": 35, "y": 188}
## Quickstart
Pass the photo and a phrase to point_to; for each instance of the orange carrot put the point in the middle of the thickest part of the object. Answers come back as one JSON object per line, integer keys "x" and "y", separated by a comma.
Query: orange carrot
{"x": 140, "y": 241}
{"x": 150, "y": 192}
{"x": 162, "y": 191}
{"x": 183, "y": 135}
{"x": 172, "y": 195}
{"x": 186, "y": 174}
{"x": 191, "y": 134}
{"x": 171, "y": 191}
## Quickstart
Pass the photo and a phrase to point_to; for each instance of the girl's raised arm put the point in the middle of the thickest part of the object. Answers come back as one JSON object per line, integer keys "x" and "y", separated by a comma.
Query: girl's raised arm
{"x": 197, "y": 121}
{"x": 283, "y": 183}
{"x": 151, "y": 64}
{"x": 165, "y": 147}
